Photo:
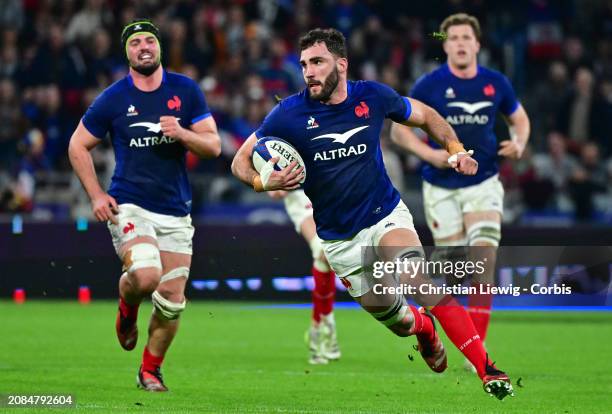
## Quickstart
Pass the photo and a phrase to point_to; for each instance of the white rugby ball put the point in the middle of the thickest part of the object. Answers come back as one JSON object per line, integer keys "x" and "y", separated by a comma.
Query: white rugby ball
{"x": 270, "y": 147}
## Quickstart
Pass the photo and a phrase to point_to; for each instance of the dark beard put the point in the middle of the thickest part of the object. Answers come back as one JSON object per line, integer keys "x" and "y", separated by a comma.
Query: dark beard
{"x": 146, "y": 70}
{"x": 329, "y": 86}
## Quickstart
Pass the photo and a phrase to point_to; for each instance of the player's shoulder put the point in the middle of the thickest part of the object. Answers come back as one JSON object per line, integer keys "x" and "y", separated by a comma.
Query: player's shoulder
{"x": 291, "y": 102}
{"x": 110, "y": 93}
{"x": 368, "y": 85}
{"x": 177, "y": 79}
{"x": 491, "y": 74}
{"x": 440, "y": 73}
{"x": 364, "y": 88}
{"x": 118, "y": 86}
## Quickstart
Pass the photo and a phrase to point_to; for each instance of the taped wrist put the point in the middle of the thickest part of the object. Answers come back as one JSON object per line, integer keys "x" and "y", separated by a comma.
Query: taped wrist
{"x": 257, "y": 184}
{"x": 454, "y": 147}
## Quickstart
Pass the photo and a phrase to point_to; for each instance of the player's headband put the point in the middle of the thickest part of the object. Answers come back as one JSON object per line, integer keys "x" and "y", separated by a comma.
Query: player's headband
{"x": 138, "y": 27}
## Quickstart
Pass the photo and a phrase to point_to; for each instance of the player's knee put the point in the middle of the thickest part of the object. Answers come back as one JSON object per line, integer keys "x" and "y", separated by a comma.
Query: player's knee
{"x": 168, "y": 308}
{"x": 171, "y": 295}
{"x": 449, "y": 253}
{"x": 141, "y": 256}
{"x": 484, "y": 233}
{"x": 454, "y": 252}
{"x": 318, "y": 256}
{"x": 397, "y": 317}
{"x": 170, "y": 291}
{"x": 145, "y": 281}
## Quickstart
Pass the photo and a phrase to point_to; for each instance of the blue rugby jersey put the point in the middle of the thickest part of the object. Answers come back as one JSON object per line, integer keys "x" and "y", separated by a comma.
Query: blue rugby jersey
{"x": 470, "y": 106}
{"x": 150, "y": 167}
{"x": 346, "y": 179}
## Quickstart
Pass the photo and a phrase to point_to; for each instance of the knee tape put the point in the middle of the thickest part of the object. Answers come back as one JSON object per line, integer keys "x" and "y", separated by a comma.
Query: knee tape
{"x": 394, "y": 313}
{"x": 316, "y": 248}
{"x": 409, "y": 254}
{"x": 141, "y": 255}
{"x": 452, "y": 243}
{"x": 484, "y": 232}
{"x": 182, "y": 271}
{"x": 168, "y": 309}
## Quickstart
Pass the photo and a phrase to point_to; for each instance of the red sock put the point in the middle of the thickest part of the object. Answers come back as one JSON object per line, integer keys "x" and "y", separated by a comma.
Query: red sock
{"x": 423, "y": 326}
{"x": 460, "y": 330}
{"x": 127, "y": 310}
{"x": 323, "y": 293}
{"x": 151, "y": 362}
{"x": 479, "y": 308}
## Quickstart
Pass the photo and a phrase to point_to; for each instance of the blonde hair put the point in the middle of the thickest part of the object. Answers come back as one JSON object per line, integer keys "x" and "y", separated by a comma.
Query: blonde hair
{"x": 461, "y": 18}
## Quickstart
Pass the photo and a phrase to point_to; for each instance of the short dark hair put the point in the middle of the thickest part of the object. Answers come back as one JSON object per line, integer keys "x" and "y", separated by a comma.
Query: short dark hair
{"x": 459, "y": 19}
{"x": 333, "y": 39}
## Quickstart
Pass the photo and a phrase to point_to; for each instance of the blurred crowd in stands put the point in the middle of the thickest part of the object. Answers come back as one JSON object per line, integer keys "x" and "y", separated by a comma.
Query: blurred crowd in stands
{"x": 56, "y": 56}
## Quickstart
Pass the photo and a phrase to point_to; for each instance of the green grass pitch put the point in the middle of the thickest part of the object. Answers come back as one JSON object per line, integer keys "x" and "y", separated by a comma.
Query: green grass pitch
{"x": 237, "y": 358}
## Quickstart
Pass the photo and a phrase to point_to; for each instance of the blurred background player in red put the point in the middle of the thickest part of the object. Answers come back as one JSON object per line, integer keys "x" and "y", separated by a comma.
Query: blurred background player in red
{"x": 464, "y": 210}
{"x": 153, "y": 118}
{"x": 321, "y": 336}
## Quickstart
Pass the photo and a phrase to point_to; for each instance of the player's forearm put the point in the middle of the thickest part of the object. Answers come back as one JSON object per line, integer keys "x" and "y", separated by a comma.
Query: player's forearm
{"x": 441, "y": 132}
{"x": 403, "y": 137}
{"x": 83, "y": 166}
{"x": 202, "y": 144}
{"x": 242, "y": 167}
{"x": 519, "y": 127}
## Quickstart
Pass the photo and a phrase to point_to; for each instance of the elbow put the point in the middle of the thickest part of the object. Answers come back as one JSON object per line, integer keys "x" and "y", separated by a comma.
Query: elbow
{"x": 71, "y": 148}
{"x": 430, "y": 116}
{"x": 212, "y": 149}
{"x": 234, "y": 166}
{"x": 216, "y": 150}
{"x": 394, "y": 133}
{"x": 238, "y": 163}
{"x": 73, "y": 151}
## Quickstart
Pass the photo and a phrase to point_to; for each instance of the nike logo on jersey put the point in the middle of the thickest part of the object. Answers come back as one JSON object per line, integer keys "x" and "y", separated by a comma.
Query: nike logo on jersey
{"x": 342, "y": 138}
{"x": 151, "y": 126}
{"x": 470, "y": 108}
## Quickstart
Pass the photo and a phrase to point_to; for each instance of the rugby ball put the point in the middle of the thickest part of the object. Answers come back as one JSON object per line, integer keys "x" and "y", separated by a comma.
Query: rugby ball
{"x": 270, "y": 147}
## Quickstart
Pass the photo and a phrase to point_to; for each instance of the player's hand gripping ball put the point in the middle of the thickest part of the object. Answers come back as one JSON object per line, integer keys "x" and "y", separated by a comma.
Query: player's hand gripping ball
{"x": 271, "y": 147}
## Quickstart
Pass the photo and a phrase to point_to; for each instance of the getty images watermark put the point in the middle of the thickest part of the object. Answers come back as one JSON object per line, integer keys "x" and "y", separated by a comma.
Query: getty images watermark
{"x": 448, "y": 277}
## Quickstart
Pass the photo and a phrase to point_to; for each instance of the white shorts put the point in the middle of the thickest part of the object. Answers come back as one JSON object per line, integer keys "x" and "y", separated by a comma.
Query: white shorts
{"x": 346, "y": 257}
{"x": 298, "y": 207}
{"x": 173, "y": 234}
{"x": 444, "y": 207}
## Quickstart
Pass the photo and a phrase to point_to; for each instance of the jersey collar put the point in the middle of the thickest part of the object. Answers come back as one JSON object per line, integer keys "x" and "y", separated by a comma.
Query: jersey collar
{"x": 131, "y": 81}
{"x": 447, "y": 70}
